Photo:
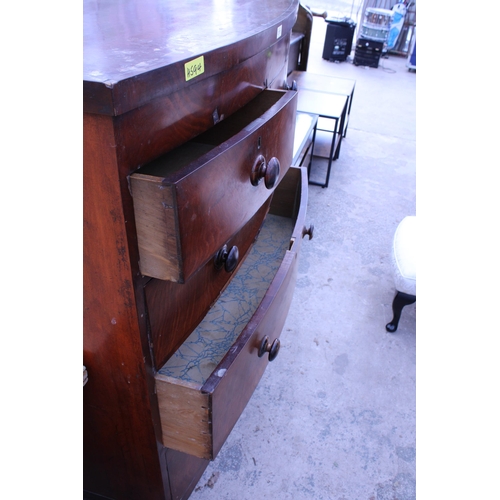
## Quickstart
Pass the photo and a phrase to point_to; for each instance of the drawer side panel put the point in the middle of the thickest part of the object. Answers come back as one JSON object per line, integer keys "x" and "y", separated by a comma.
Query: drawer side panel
{"x": 185, "y": 417}
{"x": 157, "y": 230}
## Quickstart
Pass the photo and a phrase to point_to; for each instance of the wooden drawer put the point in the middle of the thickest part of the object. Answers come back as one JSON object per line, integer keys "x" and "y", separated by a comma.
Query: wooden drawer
{"x": 174, "y": 309}
{"x": 191, "y": 200}
{"x": 205, "y": 386}
{"x": 187, "y": 109}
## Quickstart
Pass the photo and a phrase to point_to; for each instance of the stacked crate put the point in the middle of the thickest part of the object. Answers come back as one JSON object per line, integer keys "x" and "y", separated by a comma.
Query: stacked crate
{"x": 373, "y": 37}
{"x": 367, "y": 53}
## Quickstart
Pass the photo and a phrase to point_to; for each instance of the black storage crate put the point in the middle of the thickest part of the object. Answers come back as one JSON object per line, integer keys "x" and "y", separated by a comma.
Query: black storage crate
{"x": 367, "y": 53}
{"x": 338, "y": 39}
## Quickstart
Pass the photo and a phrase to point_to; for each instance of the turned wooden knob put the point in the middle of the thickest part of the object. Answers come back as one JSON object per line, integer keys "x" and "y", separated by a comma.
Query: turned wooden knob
{"x": 227, "y": 258}
{"x": 269, "y": 171}
{"x": 309, "y": 231}
{"x": 272, "y": 349}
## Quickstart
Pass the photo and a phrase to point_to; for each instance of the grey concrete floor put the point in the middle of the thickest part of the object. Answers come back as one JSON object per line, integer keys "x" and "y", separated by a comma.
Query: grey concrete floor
{"x": 334, "y": 415}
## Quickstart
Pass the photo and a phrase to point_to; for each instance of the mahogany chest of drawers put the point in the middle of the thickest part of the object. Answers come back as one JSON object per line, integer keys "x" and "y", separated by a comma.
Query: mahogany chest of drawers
{"x": 188, "y": 188}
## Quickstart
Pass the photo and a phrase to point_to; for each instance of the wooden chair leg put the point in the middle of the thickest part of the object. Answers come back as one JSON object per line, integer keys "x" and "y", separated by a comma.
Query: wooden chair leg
{"x": 400, "y": 300}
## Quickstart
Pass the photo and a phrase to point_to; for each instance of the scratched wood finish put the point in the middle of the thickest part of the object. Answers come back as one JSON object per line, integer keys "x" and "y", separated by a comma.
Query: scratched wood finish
{"x": 168, "y": 121}
{"x": 177, "y": 197}
{"x": 134, "y": 53}
{"x": 216, "y": 407}
{"x": 175, "y": 309}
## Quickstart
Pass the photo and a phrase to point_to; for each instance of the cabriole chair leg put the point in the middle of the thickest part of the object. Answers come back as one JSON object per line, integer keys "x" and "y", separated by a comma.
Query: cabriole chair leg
{"x": 400, "y": 300}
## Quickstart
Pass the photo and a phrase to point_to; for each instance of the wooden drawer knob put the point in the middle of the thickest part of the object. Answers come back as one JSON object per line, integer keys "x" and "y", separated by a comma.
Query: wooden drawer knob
{"x": 269, "y": 171}
{"x": 272, "y": 349}
{"x": 227, "y": 258}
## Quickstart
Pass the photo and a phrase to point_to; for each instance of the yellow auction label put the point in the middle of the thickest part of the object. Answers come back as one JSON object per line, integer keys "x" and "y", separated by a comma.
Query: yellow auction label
{"x": 194, "y": 68}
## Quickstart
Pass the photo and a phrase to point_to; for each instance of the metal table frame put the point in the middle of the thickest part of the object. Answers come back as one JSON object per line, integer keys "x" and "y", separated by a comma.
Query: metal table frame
{"x": 329, "y": 84}
{"x": 331, "y": 107}
{"x": 305, "y": 124}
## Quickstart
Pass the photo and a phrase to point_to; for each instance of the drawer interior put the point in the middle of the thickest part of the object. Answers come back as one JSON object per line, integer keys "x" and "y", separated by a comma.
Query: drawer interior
{"x": 249, "y": 117}
{"x": 189, "y": 202}
{"x": 246, "y": 118}
{"x": 175, "y": 309}
{"x": 203, "y": 350}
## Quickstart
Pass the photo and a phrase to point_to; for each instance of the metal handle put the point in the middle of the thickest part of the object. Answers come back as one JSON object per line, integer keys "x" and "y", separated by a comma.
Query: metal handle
{"x": 272, "y": 349}
{"x": 228, "y": 259}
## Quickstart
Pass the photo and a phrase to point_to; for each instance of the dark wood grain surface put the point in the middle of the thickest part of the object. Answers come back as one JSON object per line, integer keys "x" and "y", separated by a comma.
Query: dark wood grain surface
{"x": 194, "y": 424}
{"x": 187, "y": 470}
{"x": 167, "y": 121}
{"x": 120, "y": 451}
{"x": 129, "y": 46}
{"x": 229, "y": 394}
{"x": 214, "y": 194}
{"x": 175, "y": 309}
{"x": 244, "y": 367}
{"x": 138, "y": 105}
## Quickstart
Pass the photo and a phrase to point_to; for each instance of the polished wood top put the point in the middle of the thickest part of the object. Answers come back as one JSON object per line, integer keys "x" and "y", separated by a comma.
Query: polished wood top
{"x": 136, "y": 50}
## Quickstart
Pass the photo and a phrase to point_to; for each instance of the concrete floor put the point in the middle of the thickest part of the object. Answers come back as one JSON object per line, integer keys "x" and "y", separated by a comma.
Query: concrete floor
{"x": 334, "y": 415}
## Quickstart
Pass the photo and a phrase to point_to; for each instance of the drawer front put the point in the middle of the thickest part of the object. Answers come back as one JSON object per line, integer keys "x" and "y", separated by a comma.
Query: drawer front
{"x": 189, "y": 202}
{"x": 168, "y": 121}
{"x": 174, "y": 309}
{"x": 231, "y": 392}
{"x": 198, "y": 414}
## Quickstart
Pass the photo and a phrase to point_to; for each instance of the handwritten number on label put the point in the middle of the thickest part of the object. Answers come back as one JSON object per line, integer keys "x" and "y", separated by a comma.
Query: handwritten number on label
{"x": 194, "y": 68}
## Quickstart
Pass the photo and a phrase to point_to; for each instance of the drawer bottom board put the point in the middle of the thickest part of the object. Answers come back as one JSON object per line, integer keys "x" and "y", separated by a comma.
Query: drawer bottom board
{"x": 203, "y": 350}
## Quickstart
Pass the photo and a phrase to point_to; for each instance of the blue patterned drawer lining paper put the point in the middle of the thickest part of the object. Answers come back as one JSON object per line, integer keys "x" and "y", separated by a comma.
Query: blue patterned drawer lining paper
{"x": 204, "y": 349}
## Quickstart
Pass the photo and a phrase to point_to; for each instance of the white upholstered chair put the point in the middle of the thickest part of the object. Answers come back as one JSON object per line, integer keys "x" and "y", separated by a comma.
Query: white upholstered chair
{"x": 404, "y": 268}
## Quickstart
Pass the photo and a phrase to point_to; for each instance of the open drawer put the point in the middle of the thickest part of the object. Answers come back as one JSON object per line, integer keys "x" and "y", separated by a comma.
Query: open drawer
{"x": 175, "y": 309}
{"x": 206, "y": 384}
{"x": 191, "y": 200}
